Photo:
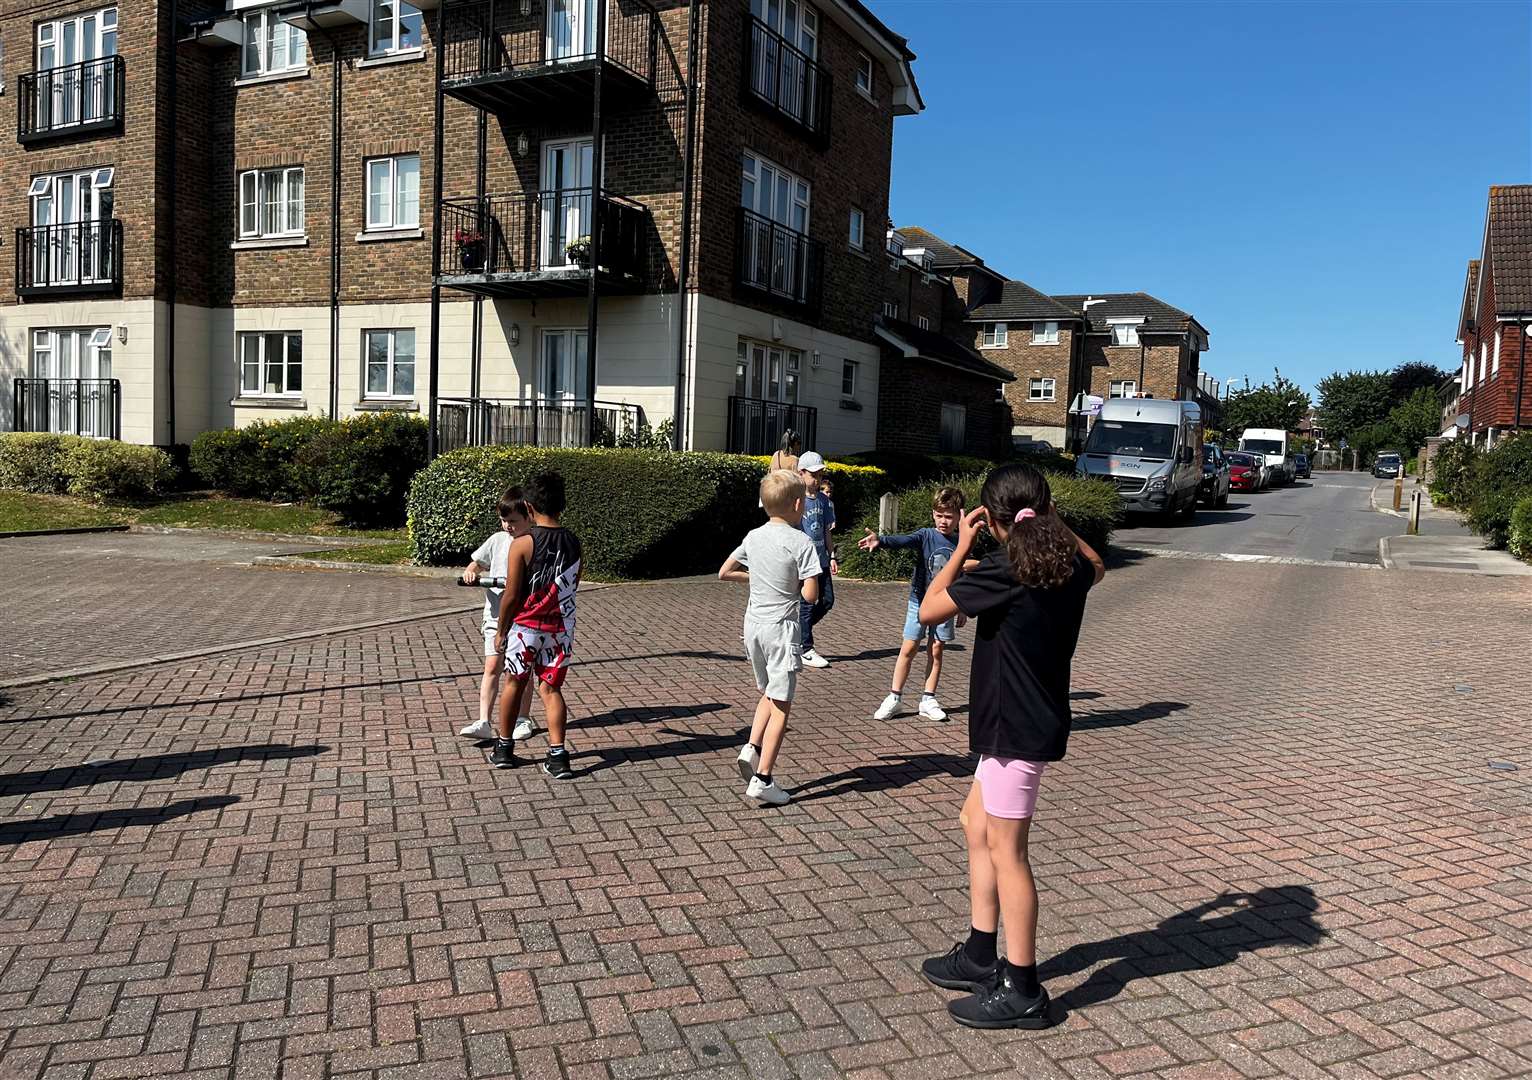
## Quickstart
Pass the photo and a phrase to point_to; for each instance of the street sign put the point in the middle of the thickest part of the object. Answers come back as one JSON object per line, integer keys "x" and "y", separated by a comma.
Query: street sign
{"x": 1342, "y": 444}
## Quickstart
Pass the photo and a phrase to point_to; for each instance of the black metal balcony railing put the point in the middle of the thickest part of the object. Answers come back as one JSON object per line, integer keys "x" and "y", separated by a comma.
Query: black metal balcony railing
{"x": 90, "y": 407}
{"x": 521, "y": 44}
{"x": 70, "y": 100}
{"x": 787, "y": 80}
{"x": 541, "y": 231}
{"x": 756, "y": 425}
{"x": 782, "y": 262}
{"x": 518, "y": 422}
{"x": 80, "y": 256}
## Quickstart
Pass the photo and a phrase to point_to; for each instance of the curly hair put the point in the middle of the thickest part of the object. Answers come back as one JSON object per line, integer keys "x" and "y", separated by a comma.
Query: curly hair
{"x": 1040, "y": 546}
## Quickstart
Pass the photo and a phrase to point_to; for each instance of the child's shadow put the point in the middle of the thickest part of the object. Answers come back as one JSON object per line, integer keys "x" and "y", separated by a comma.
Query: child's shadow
{"x": 891, "y": 771}
{"x": 685, "y": 746}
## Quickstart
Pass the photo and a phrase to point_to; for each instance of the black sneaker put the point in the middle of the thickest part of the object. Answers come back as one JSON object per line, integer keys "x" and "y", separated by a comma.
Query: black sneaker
{"x": 557, "y": 766}
{"x": 954, "y": 970}
{"x": 503, "y": 756}
{"x": 1002, "y": 1005}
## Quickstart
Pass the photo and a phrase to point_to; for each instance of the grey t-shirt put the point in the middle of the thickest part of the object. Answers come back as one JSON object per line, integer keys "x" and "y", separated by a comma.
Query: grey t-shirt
{"x": 780, "y": 558}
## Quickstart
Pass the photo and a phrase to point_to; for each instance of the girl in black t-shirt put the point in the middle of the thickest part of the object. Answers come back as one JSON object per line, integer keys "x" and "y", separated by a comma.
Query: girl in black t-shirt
{"x": 1027, "y": 598}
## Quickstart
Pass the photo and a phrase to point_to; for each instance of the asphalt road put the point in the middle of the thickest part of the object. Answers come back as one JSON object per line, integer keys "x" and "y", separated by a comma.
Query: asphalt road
{"x": 1327, "y": 519}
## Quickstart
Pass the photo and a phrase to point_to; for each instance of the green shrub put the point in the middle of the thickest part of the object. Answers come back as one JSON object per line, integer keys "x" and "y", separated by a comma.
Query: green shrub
{"x": 638, "y": 513}
{"x": 906, "y": 470}
{"x": 1452, "y": 471}
{"x": 256, "y": 460}
{"x": 1091, "y": 508}
{"x": 1520, "y": 541}
{"x": 34, "y": 461}
{"x": 1499, "y": 479}
{"x": 361, "y": 468}
{"x": 100, "y": 470}
{"x": 855, "y": 489}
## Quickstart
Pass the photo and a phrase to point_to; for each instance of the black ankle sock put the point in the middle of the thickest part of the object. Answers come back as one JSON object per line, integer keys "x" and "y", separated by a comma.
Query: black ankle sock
{"x": 980, "y": 947}
{"x": 755, "y": 747}
{"x": 764, "y": 778}
{"x": 1024, "y": 979}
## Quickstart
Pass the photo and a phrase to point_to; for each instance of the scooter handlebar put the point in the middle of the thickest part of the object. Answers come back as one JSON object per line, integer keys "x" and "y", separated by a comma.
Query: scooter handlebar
{"x": 484, "y": 583}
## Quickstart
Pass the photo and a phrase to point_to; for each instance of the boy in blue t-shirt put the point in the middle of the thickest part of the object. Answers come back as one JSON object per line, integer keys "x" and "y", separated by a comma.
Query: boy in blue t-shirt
{"x": 935, "y": 545}
{"x": 818, "y": 522}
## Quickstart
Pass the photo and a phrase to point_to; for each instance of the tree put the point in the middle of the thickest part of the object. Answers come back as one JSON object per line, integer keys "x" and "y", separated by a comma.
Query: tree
{"x": 1416, "y": 419}
{"x": 1409, "y": 377}
{"x": 1278, "y": 404}
{"x": 1352, "y": 401}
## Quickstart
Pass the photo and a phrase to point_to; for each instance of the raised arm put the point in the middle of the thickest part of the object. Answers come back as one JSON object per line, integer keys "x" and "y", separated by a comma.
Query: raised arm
{"x": 938, "y": 606}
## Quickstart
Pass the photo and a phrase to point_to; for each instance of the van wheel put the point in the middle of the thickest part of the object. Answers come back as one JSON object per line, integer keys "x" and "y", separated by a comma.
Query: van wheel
{"x": 1222, "y": 501}
{"x": 1190, "y": 509}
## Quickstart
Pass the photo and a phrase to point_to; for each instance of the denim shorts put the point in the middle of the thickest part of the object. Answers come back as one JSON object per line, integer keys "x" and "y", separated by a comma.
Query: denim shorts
{"x": 913, "y": 631}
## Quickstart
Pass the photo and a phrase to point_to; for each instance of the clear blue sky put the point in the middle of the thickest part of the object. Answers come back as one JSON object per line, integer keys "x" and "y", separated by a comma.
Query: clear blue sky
{"x": 1307, "y": 179}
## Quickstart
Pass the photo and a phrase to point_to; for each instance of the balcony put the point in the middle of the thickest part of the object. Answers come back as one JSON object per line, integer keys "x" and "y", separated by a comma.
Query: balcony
{"x": 74, "y": 258}
{"x": 786, "y": 82}
{"x": 779, "y": 263}
{"x": 541, "y": 54}
{"x": 89, "y": 407}
{"x": 756, "y": 425}
{"x": 518, "y": 246}
{"x": 69, "y": 101}
{"x": 482, "y": 421}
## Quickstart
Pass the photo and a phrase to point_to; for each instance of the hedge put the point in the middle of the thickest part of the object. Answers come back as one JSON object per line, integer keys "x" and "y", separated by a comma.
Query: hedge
{"x": 256, "y": 460}
{"x": 855, "y": 489}
{"x": 1520, "y": 541}
{"x": 1498, "y": 480}
{"x": 89, "y": 468}
{"x": 1452, "y": 472}
{"x": 1090, "y": 507}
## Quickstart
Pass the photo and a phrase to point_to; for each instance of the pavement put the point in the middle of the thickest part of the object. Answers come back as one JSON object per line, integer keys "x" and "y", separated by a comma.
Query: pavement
{"x": 1444, "y": 544}
{"x": 1290, "y": 839}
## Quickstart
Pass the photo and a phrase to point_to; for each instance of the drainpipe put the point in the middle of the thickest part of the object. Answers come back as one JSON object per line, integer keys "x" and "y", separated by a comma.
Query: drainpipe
{"x": 170, "y": 206}
{"x": 596, "y": 176}
{"x": 335, "y": 123}
{"x": 436, "y": 235}
{"x": 1521, "y": 370}
{"x": 476, "y": 351}
{"x": 678, "y": 411}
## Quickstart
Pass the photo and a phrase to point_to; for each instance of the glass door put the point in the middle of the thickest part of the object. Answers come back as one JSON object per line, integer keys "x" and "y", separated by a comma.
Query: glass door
{"x": 566, "y": 198}
{"x": 562, "y": 379}
{"x": 783, "y": 200}
{"x": 75, "y": 364}
{"x": 77, "y": 91}
{"x": 571, "y": 30}
{"x": 71, "y": 215}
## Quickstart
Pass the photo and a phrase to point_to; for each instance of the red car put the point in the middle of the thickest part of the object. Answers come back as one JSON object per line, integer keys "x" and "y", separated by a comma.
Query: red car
{"x": 1244, "y": 472}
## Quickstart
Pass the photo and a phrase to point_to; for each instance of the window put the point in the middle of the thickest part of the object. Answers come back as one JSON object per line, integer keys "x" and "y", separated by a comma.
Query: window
{"x": 393, "y": 192}
{"x": 390, "y": 363}
{"x": 80, "y": 353}
{"x": 855, "y": 236}
{"x": 271, "y": 45}
{"x": 1040, "y": 390}
{"x": 1045, "y": 333}
{"x": 794, "y": 20}
{"x": 864, "y": 73}
{"x": 394, "y": 27}
{"x": 890, "y": 309}
{"x": 71, "y": 241}
{"x": 1123, "y": 388}
{"x": 271, "y": 203}
{"x": 1495, "y": 366}
{"x": 767, "y": 372}
{"x": 894, "y": 243}
{"x": 271, "y": 364}
{"x": 774, "y": 193}
{"x": 848, "y": 379}
{"x": 1483, "y": 357}
{"x": 923, "y": 322}
{"x": 954, "y": 434}
{"x": 1124, "y": 333}
{"x": 994, "y": 335}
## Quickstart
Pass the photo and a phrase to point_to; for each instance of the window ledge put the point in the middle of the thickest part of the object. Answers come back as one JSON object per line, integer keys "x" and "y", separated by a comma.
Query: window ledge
{"x": 1049, "y": 343}
{"x": 992, "y": 348}
{"x": 850, "y": 405}
{"x": 378, "y": 236}
{"x": 269, "y": 242}
{"x": 256, "y": 401}
{"x": 392, "y": 58}
{"x": 387, "y": 405}
{"x": 866, "y": 96}
{"x": 273, "y": 77}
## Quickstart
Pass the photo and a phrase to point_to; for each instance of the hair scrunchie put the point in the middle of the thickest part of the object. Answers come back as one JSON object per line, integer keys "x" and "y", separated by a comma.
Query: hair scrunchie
{"x": 1025, "y": 513}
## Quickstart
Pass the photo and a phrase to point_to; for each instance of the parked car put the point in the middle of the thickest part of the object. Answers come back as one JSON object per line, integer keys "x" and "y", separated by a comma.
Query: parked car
{"x": 1244, "y": 471}
{"x": 1272, "y": 445}
{"x": 1215, "y": 477}
{"x": 1023, "y": 445}
{"x": 1301, "y": 467}
{"x": 1387, "y": 465}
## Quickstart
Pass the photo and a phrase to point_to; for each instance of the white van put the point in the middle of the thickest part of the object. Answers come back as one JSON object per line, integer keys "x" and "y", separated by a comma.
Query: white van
{"x": 1150, "y": 449}
{"x": 1272, "y": 445}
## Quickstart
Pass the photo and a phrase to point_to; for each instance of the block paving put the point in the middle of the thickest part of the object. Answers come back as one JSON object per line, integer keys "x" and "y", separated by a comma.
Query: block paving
{"x": 1278, "y": 848}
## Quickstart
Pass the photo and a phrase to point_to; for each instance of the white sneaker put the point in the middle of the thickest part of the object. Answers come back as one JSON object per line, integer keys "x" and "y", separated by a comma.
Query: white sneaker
{"x": 479, "y": 729}
{"x": 931, "y": 709}
{"x": 748, "y": 759}
{"x": 523, "y": 730}
{"x": 813, "y": 659}
{"x": 769, "y": 794}
{"x": 891, "y": 704}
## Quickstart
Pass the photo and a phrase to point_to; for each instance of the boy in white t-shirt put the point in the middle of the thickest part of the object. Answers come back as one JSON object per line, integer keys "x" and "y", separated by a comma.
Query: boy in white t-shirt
{"x": 490, "y": 560}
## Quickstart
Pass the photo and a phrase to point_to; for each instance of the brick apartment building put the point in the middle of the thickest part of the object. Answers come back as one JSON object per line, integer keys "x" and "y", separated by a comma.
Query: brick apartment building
{"x": 1494, "y": 317}
{"x": 243, "y": 224}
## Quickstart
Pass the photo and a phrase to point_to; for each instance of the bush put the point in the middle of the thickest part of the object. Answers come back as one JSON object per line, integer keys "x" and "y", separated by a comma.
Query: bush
{"x": 638, "y": 513}
{"x": 1452, "y": 472}
{"x": 1520, "y": 542}
{"x": 855, "y": 489}
{"x": 100, "y": 470}
{"x": 256, "y": 460}
{"x": 906, "y": 470}
{"x": 1091, "y": 508}
{"x": 1499, "y": 479}
{"x": 34, "y": 461}
{"x": 361, "y": 467}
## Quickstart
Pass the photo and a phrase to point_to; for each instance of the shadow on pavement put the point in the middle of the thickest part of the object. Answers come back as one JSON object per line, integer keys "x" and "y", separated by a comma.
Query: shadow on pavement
{"x": 61, "y": 825}
{"x": 1151, "y": 710}
{"x": 644, "y": 715}
{"x": 1194, "y": 940}
{"x": 153, "y": 767}
{"x": 892, "y": 771}
{"x": 679, "y": 654}
{"x": 687, "y": 745}
{"x": 1085, "y": 695}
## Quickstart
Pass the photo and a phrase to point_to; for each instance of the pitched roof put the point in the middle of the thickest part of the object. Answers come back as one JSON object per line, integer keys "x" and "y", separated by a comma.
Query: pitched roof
{"x": 1022, "y": 302}
{"x": 1508, "y": 234}
{"x": 1470, "y": 293}
{"x": 929, "y": 345}
{"x": 943, "y": 254}
{"x": 1159, "y": 317}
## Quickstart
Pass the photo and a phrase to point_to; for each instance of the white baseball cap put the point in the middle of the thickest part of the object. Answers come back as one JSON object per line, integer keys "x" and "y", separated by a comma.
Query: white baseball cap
{"x": 811, "y": 462}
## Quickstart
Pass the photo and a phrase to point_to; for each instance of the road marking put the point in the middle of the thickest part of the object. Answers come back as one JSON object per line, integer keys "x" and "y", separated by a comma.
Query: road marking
{"x": 1240, "y": 557}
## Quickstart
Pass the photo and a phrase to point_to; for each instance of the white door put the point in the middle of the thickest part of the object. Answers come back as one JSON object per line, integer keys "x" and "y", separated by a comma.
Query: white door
{"x": 565, "y": 197}
{"x": 72, "y": 213}
{"x": 571, "y": 30}
{"x": 562, "y": 378}
{"x": 63, "y": 356}
{"x": 76, "y": 94}
{"x": 767, "y": 373}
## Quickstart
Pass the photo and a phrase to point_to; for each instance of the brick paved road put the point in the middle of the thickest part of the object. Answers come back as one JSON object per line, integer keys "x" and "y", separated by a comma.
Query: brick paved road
{"x": 284, "y": 864}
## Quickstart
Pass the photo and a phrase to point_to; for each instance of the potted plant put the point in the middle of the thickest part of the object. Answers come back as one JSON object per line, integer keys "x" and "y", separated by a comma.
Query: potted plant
{"x": 470, "y": 248}
{"x": 578, "y": 251}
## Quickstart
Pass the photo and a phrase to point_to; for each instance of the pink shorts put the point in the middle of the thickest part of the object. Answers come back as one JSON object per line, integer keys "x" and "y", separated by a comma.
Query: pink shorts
{"x": 1008, "y": 786}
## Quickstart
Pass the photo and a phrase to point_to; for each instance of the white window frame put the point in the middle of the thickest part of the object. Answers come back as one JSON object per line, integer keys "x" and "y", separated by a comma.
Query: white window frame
{"x": 264, "y": 363}
{"x": 1123, "y": 388}
{"x": 1494, "y": 368}
{"x": 802, "y": 34}
{"x": 865, "y": 83}
{"x": 395, "y": 12}
{"x": 391, "y": 352}
{"x": 766, "y": 372}
{"x": 994, "y": 335}
{"x": 856, "y": 221}
{"x": 922, "y": 322}
{"x": 1041, "y": 389}
{"x": 953, "y": 409}
{"x": 1126, "y": 330}
{"x": 800, "y": 201}
{"x": 890, "y": 309}
{"x": 1045, "y": 333}
{"x": 270, "y": 30}
{"x": 848, "y": 372}
{"x": 1483, "y": 358}
{"x": 251, "y": 189}
{"x": 390, "y": 219}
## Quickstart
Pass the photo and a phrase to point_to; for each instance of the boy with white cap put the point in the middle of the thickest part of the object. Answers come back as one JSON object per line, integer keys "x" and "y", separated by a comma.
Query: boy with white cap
{"x": 818, "y": 522}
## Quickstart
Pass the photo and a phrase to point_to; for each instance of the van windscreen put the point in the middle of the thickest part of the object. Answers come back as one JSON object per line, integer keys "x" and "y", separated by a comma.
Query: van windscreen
{"x": 1261, "y": 446}
{"x": 1132, "y": 437}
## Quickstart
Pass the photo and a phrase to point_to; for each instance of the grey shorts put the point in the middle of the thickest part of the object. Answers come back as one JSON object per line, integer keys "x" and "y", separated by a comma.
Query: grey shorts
{"x": 776, "y": 654}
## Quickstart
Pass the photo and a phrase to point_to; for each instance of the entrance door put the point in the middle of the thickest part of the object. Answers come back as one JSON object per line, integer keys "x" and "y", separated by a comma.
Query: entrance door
{"x": 565, "y": 197}
{"x": 561, "y": 387}
{"x": 79, "y": 91}
{"x": 782, "y": 199}
{"x": 571, "y": 30}
{"x": 64, "y": 356}
{"x": 71, "y": 238}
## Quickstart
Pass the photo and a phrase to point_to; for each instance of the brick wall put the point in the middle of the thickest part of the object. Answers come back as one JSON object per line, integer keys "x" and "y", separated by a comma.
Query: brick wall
{"x": 1492, "y": 401}
{"x": 910, "y": 397}
{"x": 1027, "y": 362}
{"x": 1167, "y": 366}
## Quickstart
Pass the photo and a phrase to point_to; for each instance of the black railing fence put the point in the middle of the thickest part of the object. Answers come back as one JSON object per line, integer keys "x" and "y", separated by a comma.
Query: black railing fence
{"x": 780, "y": 261}
{"x": 519, "y": 422}
{"x": 91, "y": 407}
{"x": 525, "y": 37}
{"x": 787, "y": 79}
{"x": 540, "y": 231}
{"x": 756, "y": 425}
{"x": 58, "y": 100}
{"x": 74, "y": 255}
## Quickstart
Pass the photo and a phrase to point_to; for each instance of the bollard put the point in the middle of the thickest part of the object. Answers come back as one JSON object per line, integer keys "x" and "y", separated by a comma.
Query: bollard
{"x": 888, "y": 514}
{"x": 1398, "y": 490}
{"x": 1415, "y": 501}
